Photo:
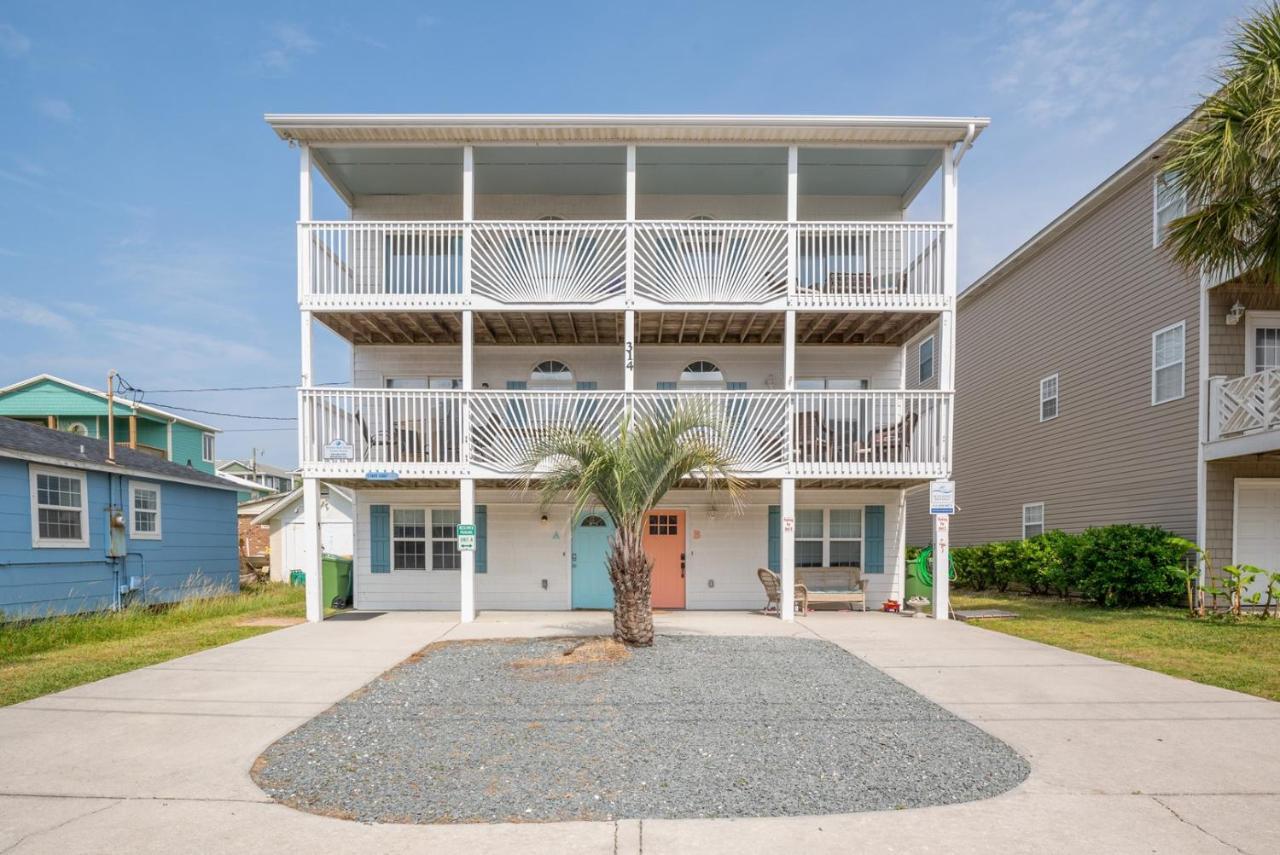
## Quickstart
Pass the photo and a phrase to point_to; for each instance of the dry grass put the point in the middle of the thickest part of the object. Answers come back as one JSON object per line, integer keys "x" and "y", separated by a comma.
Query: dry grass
{"x": 588, "y": 651}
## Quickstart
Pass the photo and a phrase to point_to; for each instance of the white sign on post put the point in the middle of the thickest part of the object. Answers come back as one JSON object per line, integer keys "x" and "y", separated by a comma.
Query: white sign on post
{"x": 942, "y": 497}
{"x": 942, "y": 532}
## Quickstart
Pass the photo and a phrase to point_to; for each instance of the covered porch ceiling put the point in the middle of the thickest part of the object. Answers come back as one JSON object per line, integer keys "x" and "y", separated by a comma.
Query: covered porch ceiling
{"x": 652, "y": 327}
{"x": 518, "y": 489}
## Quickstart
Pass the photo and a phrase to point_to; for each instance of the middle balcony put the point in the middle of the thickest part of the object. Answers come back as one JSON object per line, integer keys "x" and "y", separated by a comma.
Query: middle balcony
{"x": 387, "y": 434}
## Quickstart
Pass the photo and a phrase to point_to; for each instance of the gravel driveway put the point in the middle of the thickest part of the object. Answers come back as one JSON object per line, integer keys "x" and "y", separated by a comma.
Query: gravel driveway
{"x": 693, "y": 727}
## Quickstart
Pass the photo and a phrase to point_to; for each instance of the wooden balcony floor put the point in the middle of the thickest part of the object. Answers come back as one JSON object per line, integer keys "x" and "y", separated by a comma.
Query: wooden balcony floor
{"x": 653, "y": 327}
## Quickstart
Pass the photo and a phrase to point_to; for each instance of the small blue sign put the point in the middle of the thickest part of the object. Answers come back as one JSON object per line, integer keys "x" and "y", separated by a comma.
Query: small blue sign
{"x": 381, "y": 475}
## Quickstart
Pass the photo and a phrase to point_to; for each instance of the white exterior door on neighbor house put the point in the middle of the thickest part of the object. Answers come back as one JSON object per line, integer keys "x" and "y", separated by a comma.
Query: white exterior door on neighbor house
{"x": 1257, "y": 528}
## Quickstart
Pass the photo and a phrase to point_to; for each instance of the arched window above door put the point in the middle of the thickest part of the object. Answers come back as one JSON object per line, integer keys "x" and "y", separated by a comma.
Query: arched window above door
{"x": 702, "y": 374}
{"x": 551, "y": 374}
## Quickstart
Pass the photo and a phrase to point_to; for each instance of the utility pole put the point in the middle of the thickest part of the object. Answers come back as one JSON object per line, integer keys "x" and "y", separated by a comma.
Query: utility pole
{"x": 111, "y": 416}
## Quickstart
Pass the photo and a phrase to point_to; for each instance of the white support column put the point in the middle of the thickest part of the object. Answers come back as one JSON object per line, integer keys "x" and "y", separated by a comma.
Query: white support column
{"x": 468, "y": 214}
{"x": 789, "y": 350}
{"x": 793, "y": 215}
{"x": 304, "y": 380}
{"x": 629, "y": 285}
{"x": 787, "y": 545}
{"x": 629, "y": 350}
{"x": 311, "y": 548}
{"x": 946, "y": 381}
{"x": 467, "y": 516}
{"x": 304, "y": 183}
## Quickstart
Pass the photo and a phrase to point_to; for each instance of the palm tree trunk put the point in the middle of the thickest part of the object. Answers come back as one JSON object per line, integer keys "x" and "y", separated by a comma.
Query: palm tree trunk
{"x": 630, "y": 571}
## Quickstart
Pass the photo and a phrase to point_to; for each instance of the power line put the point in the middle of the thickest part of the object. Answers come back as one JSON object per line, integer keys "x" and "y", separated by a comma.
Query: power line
{"x": 225, "y": 415}
{"x": 233, "y": 388}
{"x": 257, "y": 430}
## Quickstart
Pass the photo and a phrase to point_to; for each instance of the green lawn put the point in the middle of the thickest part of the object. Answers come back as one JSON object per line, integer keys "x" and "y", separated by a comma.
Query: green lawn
{"x": 1242, "y": 655}
{"x": 57, "y": 653}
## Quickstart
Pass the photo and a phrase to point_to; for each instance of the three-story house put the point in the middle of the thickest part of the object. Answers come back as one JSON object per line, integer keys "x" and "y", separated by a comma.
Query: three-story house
{"x": 501, "y": 275}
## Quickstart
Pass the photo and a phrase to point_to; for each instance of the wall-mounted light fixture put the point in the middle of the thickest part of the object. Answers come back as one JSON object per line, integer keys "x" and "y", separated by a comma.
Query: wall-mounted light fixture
{"x": 1235, "y": 313}
{"x": 542, "y": 521}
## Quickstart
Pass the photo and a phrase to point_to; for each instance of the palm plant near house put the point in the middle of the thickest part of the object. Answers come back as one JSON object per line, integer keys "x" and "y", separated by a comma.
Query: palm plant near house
{"x": 1227, "y": 161}
{"x": 627, "y": 475}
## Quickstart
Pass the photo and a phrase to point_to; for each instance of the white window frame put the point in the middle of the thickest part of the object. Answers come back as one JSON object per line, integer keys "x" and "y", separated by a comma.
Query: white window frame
{"x": 134, "y": 533}
{"x": 1180, "y": 202}
{"x": 1255, "y": 320}
{"x": 827, "y": 539}
{"x": 429, "y": 539}
{"x": 39, "y": 542}
{"x": 933, "y": 358}
{"x": 432, "y": 540}
{"x": 391, "y": 538}
{"x": 1025, "y": 522}
{"x": 206, "y": 447}
{"x": 1181, "y": 326}
{"x": 1055, "y": 397}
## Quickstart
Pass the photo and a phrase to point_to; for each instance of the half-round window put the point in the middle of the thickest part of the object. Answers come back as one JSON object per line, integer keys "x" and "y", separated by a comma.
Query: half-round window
{"x": 594, "y": 521}
{"x": 78, "y": 428}
{"x": 702, "y": 375}
{"x": 551, "y": 374}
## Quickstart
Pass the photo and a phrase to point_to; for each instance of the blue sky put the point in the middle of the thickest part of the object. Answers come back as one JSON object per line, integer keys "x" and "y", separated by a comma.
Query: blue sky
{"x": 146, "y": 212}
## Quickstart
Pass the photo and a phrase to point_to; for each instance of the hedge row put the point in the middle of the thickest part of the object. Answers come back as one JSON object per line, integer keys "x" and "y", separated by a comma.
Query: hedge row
{"x": 1118, "y": 565}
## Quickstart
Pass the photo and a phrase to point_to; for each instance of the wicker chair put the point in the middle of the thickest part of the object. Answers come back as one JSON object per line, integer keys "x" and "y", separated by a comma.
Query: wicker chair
{"x": 773, "y": 591}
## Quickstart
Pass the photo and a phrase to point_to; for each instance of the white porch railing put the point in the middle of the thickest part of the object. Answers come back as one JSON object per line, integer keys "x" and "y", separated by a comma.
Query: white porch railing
{"x": 835, "y": 265}
{"x": 869, "y": 264}
{"x": 1244, "y": 405}
{"x": 874, "y": 433}
{"x": 353, "y": 431}
{"x": 548, "y": 262}
{"x": 350, "y": 264}
{"x": 681, "y": 261}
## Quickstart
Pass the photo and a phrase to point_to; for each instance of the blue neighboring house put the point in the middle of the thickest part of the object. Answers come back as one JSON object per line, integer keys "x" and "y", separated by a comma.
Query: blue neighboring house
{"x": 81, "y": 533}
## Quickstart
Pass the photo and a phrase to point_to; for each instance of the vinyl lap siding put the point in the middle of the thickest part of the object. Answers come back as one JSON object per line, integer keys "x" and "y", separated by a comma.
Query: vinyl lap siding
{"x": 1084, "y": 307}
{"x": 188, "y": 448}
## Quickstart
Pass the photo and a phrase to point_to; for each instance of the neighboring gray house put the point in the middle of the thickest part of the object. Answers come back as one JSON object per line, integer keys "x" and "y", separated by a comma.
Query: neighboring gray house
{"x": 1088, "y": 394}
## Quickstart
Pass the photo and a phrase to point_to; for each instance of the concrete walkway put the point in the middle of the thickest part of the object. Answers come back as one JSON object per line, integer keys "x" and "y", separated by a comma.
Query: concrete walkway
{"x": 1123, "y": 760}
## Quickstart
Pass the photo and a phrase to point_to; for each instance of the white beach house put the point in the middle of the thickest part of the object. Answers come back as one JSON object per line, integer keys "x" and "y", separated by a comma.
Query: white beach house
{"x": 499, "y": 274}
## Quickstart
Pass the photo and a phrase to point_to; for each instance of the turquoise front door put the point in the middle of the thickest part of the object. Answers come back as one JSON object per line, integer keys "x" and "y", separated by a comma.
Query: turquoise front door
{"x": 591, "y": 586}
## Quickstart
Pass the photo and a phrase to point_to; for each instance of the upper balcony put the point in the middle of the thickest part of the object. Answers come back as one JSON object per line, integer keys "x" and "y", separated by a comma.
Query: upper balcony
{"x": 609, "y": 227}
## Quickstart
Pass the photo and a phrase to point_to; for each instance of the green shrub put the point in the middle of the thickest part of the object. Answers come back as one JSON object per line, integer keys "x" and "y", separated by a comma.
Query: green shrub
{"x": 1119, "y": 565}
{"x": 1129, "y": 565}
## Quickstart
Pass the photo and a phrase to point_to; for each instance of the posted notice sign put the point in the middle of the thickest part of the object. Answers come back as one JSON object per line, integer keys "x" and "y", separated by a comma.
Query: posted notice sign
{"x": 942, "y": 497}
{"x": 466, "y": 537}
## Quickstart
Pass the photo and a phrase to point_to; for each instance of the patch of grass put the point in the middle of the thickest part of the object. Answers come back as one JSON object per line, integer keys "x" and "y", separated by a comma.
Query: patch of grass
{"x": 1242, "y": 655}
{"x": 38, "y": 657}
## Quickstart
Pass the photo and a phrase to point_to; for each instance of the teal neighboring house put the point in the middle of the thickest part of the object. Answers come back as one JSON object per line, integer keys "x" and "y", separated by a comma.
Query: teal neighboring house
{"x": 66, "y": 406}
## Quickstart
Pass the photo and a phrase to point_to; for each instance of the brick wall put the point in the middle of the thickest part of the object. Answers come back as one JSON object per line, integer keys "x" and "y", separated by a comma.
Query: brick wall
{"x": 254, "y": 539}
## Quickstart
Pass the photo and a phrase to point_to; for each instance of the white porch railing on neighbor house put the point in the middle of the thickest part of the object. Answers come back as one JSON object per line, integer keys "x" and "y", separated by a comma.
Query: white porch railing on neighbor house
{"x": 1244, "y": 405}
{"x": 839, "y": 265}
{"x": 873, "y": 433}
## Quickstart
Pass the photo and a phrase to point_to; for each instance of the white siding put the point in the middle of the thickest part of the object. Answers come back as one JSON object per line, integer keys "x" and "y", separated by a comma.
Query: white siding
{"x": 722, "y": 553}
{"x": 496, "y": 365}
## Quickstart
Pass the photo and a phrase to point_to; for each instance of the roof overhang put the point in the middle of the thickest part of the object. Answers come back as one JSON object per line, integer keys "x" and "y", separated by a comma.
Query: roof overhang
{"x": 453, "y": 129}
{"x": 114, "y": 469}
{"x": 122, "y": 406}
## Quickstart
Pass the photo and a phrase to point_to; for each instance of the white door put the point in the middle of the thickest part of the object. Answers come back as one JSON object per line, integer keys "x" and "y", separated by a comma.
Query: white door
{"x": 1257, "y": 537}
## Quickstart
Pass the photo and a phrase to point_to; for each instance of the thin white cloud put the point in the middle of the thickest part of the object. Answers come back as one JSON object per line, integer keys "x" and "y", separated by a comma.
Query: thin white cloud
{"x": 33, "y": 314}
{"x": 288, "y": 42}
{"x": 55, "y": 109}
{"x": 13, "y": 44}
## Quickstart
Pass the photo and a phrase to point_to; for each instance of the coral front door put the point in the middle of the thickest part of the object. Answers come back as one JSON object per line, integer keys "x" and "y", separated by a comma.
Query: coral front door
{"x": 664, "y": 544}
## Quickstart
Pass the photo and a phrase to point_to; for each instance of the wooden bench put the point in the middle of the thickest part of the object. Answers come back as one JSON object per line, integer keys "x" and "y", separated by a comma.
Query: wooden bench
{"x": 832, "y": 585}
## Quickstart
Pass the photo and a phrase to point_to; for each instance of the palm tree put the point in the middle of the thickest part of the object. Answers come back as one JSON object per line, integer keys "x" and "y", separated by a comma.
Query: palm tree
{"x": 627, "y": 475}
{"x": 1226, "y": 159}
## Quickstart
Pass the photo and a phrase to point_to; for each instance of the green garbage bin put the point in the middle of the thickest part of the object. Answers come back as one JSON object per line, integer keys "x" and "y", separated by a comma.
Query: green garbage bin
{"x": 336, "y": 572}
{"x": 297, "y": 578}
{"x": 917, "y": 573}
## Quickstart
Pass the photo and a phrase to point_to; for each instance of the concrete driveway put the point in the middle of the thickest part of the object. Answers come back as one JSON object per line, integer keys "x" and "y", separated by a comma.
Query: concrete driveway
{"x": 1123, "y": 760}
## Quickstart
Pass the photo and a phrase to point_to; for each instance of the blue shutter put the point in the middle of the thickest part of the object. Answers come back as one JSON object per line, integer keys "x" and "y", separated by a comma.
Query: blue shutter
{"x": 482, "y": 539}
{"x": 379, "y": 538}
{"x": 873, "y": 539}
{"x": 775, "y": 538}
{"x": 517, "y": 384}
{"x": 586, "y": 385}
{"x": 666, "y": 385}
{"x": 736, "y": 385}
